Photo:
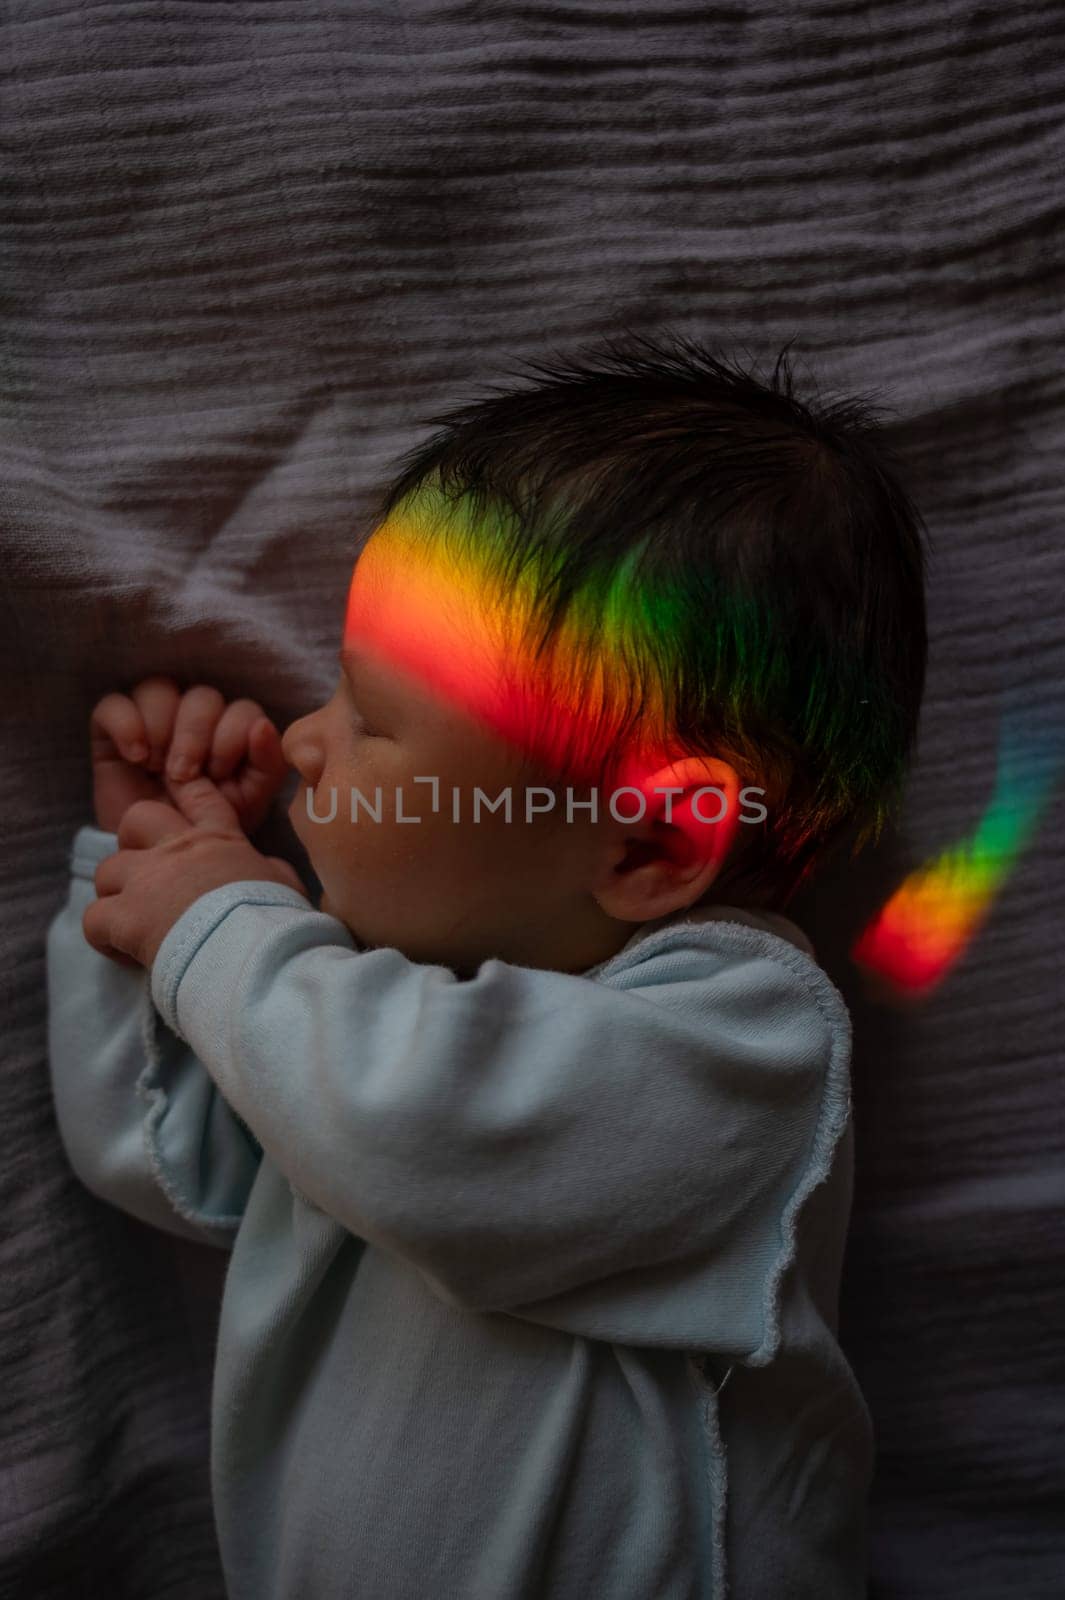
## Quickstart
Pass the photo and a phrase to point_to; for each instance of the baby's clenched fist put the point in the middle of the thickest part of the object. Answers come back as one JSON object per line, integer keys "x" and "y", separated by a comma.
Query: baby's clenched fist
{"x": 157, "y": 729}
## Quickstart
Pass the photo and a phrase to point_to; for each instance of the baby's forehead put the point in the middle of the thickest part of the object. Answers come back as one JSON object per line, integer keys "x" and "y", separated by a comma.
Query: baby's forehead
{"x": 409, "y": 611}
{"x": 379, "y": 681}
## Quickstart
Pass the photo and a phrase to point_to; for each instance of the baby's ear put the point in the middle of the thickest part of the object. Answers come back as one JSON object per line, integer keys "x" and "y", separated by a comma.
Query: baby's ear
{"x": 706, "y": 810}
{"x": 668, "y": 856}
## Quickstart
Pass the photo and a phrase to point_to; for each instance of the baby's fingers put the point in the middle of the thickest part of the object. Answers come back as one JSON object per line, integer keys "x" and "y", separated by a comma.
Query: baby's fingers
{"x": 267, "y": 767}
{"x": 232, "y": 737}
{"x": 116, "y": 729}
{"x": 156, "y": 699}
{"x": 264, "y": 774}
{"x": 200, "y": 712}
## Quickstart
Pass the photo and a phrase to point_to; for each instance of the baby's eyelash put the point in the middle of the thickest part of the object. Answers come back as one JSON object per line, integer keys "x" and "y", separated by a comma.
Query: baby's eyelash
{"x": 357, "y": 724}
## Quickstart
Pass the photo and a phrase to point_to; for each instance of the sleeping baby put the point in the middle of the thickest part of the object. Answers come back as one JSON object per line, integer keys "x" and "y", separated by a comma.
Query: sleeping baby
{"x": 531, "y": 1144}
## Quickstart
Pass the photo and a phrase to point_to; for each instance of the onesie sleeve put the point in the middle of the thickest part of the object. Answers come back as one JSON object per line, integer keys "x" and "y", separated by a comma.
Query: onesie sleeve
{"x": 143, "y": 1125}
{"x": 620, "y": 1156}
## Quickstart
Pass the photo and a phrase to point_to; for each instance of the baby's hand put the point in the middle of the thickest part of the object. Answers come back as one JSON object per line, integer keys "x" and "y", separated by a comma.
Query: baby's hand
{"x": 194, "y": 734}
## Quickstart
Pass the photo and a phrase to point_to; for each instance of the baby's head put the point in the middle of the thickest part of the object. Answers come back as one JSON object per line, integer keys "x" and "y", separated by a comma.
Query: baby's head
{"x": 650, "y": 581}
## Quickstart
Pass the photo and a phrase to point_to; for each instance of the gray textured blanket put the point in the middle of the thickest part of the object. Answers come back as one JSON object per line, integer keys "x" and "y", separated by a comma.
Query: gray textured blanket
{"x": 246, "y": 247}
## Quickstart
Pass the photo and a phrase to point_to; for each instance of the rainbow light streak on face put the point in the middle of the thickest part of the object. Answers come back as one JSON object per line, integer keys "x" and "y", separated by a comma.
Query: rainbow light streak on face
{"x": 438, "y": 608}
{"x": 933, "y": 916}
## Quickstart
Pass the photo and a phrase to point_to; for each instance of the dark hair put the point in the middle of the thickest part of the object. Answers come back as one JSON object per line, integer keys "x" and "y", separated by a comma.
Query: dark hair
{"x": 782, "y": 558}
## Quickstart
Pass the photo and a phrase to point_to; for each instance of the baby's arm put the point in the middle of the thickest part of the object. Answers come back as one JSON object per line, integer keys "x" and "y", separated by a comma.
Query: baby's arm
{"x": 568, "y": 1150}
{"x": 143, "y": 1124}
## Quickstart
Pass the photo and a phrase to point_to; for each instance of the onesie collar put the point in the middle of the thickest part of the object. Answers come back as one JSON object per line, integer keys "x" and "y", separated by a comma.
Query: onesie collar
{"x": 770, "y": 921}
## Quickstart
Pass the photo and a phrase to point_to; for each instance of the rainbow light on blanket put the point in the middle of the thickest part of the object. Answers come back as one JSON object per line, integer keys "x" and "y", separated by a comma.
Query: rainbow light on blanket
{"x": 932, "y": 918}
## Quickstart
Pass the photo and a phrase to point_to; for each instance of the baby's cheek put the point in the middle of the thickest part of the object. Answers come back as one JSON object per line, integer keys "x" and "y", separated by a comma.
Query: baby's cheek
{"x": 361, "y": 853}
